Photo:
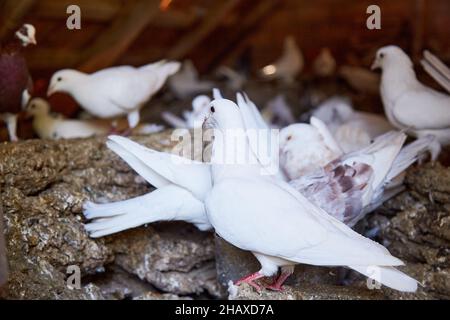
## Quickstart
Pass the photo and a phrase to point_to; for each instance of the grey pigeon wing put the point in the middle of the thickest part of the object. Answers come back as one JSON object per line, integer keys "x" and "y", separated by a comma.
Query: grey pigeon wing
{"x": 338, "y": 189}
{"x": 424, "y": 109}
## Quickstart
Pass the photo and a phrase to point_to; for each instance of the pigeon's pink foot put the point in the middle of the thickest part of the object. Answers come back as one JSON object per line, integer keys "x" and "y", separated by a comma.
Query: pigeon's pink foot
{"x": 250, "y": 280}
{"x": 278, "y": 284}
{"x": 127, "y": 132}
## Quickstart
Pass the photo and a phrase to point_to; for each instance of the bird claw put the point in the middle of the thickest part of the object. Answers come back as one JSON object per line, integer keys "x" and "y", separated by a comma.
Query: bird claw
{"x": 274, "y": 287}
{"x": 250, "y": 281}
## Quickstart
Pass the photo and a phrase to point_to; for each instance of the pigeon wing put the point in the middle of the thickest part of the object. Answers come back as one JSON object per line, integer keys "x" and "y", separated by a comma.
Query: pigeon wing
{"x": 164, "y": 167}
{"x": 423, "y": 109}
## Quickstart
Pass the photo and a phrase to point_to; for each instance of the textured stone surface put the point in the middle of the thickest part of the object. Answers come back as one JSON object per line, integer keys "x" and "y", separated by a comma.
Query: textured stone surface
{"x": 419, "y": 232}
{"x": 43, "y": 185}
{"x": 173, "y": 257}
{"x": 306, "y": 292}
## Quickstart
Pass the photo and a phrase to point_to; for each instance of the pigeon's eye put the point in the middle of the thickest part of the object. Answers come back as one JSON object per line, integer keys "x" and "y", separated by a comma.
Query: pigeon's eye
{"x": 59, "y": 79}
{"x": 213, "y": 109}
{"x": 289, "y": 138}
{"x": 381, "y": 55}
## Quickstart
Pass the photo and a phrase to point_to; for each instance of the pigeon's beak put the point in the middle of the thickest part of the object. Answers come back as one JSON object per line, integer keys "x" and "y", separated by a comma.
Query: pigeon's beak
{"x": 51, "y": 90}
{"x": 375, "y": 65}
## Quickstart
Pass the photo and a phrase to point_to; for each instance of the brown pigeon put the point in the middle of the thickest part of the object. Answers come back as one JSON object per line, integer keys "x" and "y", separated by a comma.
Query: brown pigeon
{"x": 15, "y": 81}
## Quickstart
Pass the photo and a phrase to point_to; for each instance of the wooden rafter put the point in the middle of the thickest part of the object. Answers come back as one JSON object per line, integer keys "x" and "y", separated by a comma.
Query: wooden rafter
{"x": 210, "y": 23}
{"x": 100, "y": 10}
{"x": 240, "y": 32}
{"x": 108, "y": 48}
{"x": 106, "y": 10}
{"x": 12, "y": 13}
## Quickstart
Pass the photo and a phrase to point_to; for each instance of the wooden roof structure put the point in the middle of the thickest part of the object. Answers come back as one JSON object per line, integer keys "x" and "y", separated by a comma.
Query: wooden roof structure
{"x": 212, "y": 32}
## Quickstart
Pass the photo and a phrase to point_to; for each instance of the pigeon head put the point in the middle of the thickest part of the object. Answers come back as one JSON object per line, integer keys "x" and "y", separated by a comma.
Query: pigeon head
{"x": 63, "y": 81}
{"x": 297, "y": 133}
{"x": 390, "y": 56}
{"x": 38, "y": 106}
{"x": 27, "y": 35}
{"x": 224, "y": 114}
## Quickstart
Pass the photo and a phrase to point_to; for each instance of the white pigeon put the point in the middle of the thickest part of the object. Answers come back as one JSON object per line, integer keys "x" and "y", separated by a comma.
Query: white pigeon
{"x": 307, "y": 147}
{"x": 358, "y": 183}
{"x": 48, "y": 126}
{"x": 409, "y": 105}
{"x": 288, "y": 66}
{"x": 192, "y": 119}
{"x": 278, "y": 113}
{"x": 353, "y": 130}
{"x": 114, "y": 91}
{"x": 280, "y": 226}
{"x": 436, "y": 69}
{"x": 187, "y": 83}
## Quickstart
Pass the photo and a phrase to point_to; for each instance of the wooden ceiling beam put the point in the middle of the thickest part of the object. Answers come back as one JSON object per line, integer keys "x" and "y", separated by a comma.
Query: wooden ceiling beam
{"x": 106, "y": 10}
{"x": 209, "y": 24}
{"x": 100, "y": 10}
{"x": 112, "y": 43}
{"x": 12, "y": 13}
{"x": 175, "y": 19}
{"x": 240, "y": 32}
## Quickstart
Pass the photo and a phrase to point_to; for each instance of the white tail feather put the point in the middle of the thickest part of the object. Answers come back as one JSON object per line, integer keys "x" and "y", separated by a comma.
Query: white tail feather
{"x": 388, "y": 276}
{"x": 165, "y": 204}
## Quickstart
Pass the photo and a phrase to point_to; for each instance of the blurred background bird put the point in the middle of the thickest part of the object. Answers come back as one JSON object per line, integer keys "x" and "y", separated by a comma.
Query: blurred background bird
{"x": 187, "y": 82}
{"x": 16, "y": 85}
{"x": 114, "y": 91}
{"x": 288, "y": 66}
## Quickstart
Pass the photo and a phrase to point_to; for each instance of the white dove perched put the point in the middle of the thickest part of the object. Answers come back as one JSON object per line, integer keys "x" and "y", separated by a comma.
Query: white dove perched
{"x": 114, "y": 91}
{"x": 186, "y": 82}
{"x": 353, "y": 130}
{"x": 408, "y": 104}
{"x": 192, "y": 119}
{"x": 245, "y": 207}
{"x": 288, "y": 66}
{"x": 48, "y": 126}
